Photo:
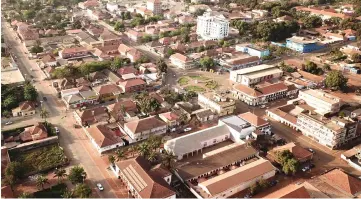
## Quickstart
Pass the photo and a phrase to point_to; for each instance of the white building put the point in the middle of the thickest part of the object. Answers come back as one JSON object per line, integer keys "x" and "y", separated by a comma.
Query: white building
{"x": 155, "y": 6}
{"x": 141, "y": 129}
{"x": 112, "y": 7}
{"x": 103, "y": 138}
{"x": 219, "y": 103}
{"x": 323, "y": 102}
{"x": 332, "y": 132}
{"x": 255, "y": 74}
{"x": 181, "y": 61}
{"x": 212, "y": 26}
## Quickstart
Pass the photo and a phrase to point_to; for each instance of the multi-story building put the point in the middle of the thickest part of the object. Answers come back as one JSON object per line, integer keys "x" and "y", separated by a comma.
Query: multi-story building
{"x": 219, "y": 103}
{"x": 253, "y": 75}
{"x": 324, "y": 103}
{"x": 182, "y": 61}
{"x": 257, "y": 122}
{"x": 212, "y": 26}
{"x": 155, "y": 6}
{"x": 332, "y": 132}
{"x": 141, "y": 129}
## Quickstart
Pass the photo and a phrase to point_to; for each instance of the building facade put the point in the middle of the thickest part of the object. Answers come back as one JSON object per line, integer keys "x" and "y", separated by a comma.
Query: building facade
{"x": 212, "y": 26}
{"x": 155, "y": 6}
{"x": 323, "y": 102}
{"x": 253, "y": 75}
{"x": 302, "y": 45}
{"x": 219, "y": 103}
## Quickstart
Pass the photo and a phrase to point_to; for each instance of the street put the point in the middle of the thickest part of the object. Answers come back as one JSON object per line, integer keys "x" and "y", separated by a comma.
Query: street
{"x": 74, "y": 141}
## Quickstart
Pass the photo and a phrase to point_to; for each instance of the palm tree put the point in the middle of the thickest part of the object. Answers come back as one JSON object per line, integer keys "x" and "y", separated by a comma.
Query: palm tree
{"x": 167, "y": 158}
{"x": 133, "y": 149}
{"x": 119, "y": 154}
{"x": 67, "y": 194}
{"x": 44, "y": 113}
{"x": 152, "y": 156}
{"x": 111, "y": 159}
{"x": 143, "y": 149}
{"x": 41, "y": 181}
{"x": 60, "y": 173}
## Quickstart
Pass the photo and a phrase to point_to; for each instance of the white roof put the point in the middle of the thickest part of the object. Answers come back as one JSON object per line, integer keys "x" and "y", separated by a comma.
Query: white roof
{"x": 128, "y": 76}
{"x": 192, "y": 142}
{"x": 253, "y": 69}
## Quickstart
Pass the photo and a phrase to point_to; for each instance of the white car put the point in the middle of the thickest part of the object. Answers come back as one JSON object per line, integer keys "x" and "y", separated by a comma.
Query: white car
{"x": 263, "y": 106}
{"x": 8, "y": 123}
{"x": 187, "y": 129}
{"x": 100, "y": 186}
{"x": 311, "y": 150}
{"x": 57, "y": 130}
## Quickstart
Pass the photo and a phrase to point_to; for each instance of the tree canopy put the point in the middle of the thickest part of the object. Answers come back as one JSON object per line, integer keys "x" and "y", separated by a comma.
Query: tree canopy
{"x": 82, "y": 190}
{"x": 77, "y": 175}
{"x": 30, "y": 92}
{"x": 207, "y": 63}
{"x": 336, "y": 80}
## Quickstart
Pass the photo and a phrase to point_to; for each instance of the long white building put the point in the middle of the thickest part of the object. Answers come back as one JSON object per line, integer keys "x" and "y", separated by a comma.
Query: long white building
{"x": 323, "y": 102}
{"x": 212, "y": 26}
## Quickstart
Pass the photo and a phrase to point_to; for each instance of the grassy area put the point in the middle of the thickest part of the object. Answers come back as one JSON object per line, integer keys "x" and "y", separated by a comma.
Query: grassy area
{"x": 194, "y": 88}
{"x": 199, "y": 77}
{"x": 53, "y": 192}
{"x": 40, "y": 159}
{"x": 183, "y": 81}
{"x": 211, "y": 84}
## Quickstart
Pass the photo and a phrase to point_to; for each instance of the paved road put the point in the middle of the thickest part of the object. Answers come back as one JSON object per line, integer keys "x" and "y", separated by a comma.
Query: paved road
{"x": 77, "y": 146}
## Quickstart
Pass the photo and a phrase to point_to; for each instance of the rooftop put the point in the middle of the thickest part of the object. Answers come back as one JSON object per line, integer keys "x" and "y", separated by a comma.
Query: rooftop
{"x": 253, "y": 119}
{"x": 322, "y": 96}
{"x": 261, "y": 67}
{"x": 222, "y": 99}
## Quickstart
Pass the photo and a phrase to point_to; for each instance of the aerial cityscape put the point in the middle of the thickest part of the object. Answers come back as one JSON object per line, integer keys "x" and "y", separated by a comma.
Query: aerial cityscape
{"x": 181, "y": 99}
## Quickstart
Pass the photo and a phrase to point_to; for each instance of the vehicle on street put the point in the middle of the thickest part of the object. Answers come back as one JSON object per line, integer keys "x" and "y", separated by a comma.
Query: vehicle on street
{"x": 311, "y": 150}
{"x": 45, "y": 99}
{"x": 305, "y": 169}
{"x": 173, "y": 130}
{"x": 100, "y": 186}
{"x": 57, "y": 130}
{"x": 8, "y": 122}
{"x": 263, "y": 106}
{"x": 187, "y": 129}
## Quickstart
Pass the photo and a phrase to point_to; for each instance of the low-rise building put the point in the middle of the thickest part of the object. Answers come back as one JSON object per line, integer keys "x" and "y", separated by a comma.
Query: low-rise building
{"x": 253, "y": 75}
{"x": 74, "y": 53}
{"x": 302, "y": 44}
{"x": 32, "y": 133}
{"x": 141, "y": 129}
{"x": 103, "y": 138}
{"x": 323, "y": 102}
{"x": 257, "y": 122}
{"x": 353, "y": 157}
{"x": 331, "y": 132}
{"x": 240, "y": 62}
{"x": 264, "y": 93}
{"x": 107, "y": 92}
{"x": 253, "y": 50}
{"x": 10, "y": 73}
{"x": 26, "y": 108}
{"x": 134, "y": 35}
{"x": 220, "y": 103}
{"x": 299, "y": 153}
{"x": 91, "y": 116}
{"x": 172, "y": 119}
{"x": 143, "y": 181}
{"x": 109, "y": 38}
{"x": 48, "y": 60}
{"x": 123, "y": 110}
{"x": 181, "y": 61}
{"x": 132, "y": 85}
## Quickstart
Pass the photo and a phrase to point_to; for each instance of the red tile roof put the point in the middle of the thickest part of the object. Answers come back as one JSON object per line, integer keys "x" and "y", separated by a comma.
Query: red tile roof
{"x": 343, "y": 181}
{"x": 170, "y": 116}
{"x": 127, "y": 70}
{"x": 253, "y": 119}
{"x": 132, "y": 82}
{"x": 298, "y": 152}
{"x": 74, "y": 50}
{"x": 322, "y": 12}
{"x": 36, "y": 132}
{"x": 107, "y": 89}
{"x": 290, "y": 191}
{"x": 138, "y": 126}
{"x": 104, "y": 136}
{"x": 180, "y": 57}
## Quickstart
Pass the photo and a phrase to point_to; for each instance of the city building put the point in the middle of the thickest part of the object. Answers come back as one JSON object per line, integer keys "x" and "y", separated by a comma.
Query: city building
{"x": 212, "y": 26}
{"x": 239, "y": 62}
{"x": 142, "y": 180}
{"x": 253, "y": 50}
{"x": 353, "y": 157}
{"x": 263, "y": 94}
{"x": 132, "y": 85}
{"x": 103, "y": 138}
{"x": 256, "y": 74}
{"x": 299, "y": 153}
{"x": 112, "y": 7}
{"x": 26, "y": 108}
{"x": 10, "y": 73}
{"x": 302, "y": 44}
{"x": 107, "y": 92}
{"x": 91, "y": 116}
{"x": 172, "y": 119}
{"x": 257, "y": 122}
{"x": 108, "y": 38}
{"x": 333, "y": 132}
{"x": 74, "y": 53}
{"x": 155, "y": 6}
{"x": 141, "y": 129}
{"x": 32, "y": 133}
{"x": 220, "y": 103}
{"x": 323, "y": 102}
{"x": 182, "y": 61}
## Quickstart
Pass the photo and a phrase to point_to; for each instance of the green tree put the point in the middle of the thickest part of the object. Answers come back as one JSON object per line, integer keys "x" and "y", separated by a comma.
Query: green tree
{"x": 44, "y": 113}
{"x": 146, "y": 38}
{"x": 226, "y": 44}
{"x": 336, "y": 80}
{"x": 13, "y": 173}
{"x": 111, "y": 159}
{"x": 356, "y": 58}
{"x": 82, "y": 190}
{"x": 183, "y": 118}
{"x": 283, "y": 156}
{"x": 170, "y": 52}
{"x": 25, "y": 195}
{"x": 152, "y": 156}
{"x": 326, "y": 67}
{"x": 311, "y": 67}
{"x": 116, "y": 64}
{"x": 119, "y": 154}
{"x": 291, "y": 166}
{"x": 29, "y": 14}
{"x": 143, "y": 149}
{"x": 30, "y": 92}
{"x": 67, "y": 194}
{"x": 162, "y": 66}
{"x": 255, "y": 188}
{"x": 76, "y": 24}
{"x": 118, "y": 26}
{"x": 77, "y": 175}
{"x": 36, "y": 49}
{"x": 312, "y": 21}
{"x": 60, "y": 173}
{"x": 41, "y": 181}
{"x": 199, "y": 12}
{"x": 168, "y": 158}
{"x": 206, "y": 63}
{"x": 10, "y": 102}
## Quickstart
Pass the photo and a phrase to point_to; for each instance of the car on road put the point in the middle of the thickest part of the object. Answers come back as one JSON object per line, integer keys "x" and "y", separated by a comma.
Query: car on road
{"x": 45, "y": 99}
{"x": 57, "y": 130}
{"x": 306, "y": 168}
{"x": 263, "y": 106}
{"x": 173, "y": 130}
{"x": 100, "y": 186}
{"x": 311, "y": 150}
{"x": 187, "y": 129}
{"x": 8, "y": 122}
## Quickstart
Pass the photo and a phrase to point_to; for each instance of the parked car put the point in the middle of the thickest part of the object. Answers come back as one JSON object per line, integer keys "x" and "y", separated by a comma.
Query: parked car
{"x": 100, "y": 186}
{"x": 8, "y": 122}
{"x": 173, "y": 130}
{"x": 305, "y": 169}
{"x": 187, "y": 129}
{"x": 311, "y": 150}
{"x": 57, "y": 130}
{"x": 263, "y": 106}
